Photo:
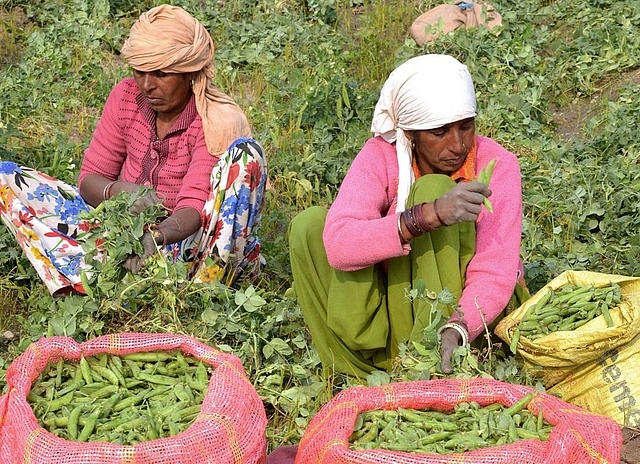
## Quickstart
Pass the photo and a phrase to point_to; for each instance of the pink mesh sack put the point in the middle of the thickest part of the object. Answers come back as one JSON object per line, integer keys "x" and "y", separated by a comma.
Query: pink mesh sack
{"x": 230, "y": 428}
{"x": 578, "y": 436}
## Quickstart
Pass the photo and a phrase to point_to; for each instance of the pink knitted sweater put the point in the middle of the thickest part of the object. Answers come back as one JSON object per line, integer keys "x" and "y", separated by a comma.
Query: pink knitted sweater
{"x": 362, "y": 226}
{"x": 125, "y": 147}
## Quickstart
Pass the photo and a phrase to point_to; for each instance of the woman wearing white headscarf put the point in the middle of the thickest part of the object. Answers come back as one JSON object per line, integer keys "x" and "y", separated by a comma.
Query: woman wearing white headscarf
{"x": 170, "y": 129}
{"x": 409, "y": 211}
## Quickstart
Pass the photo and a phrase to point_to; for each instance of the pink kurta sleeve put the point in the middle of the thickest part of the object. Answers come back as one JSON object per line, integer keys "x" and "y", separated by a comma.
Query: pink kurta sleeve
{"x": 196, "y": 183}
{"x": 107, "y": 150}
{"x": 358, "y": 233}
{"x": 494, "y": 269}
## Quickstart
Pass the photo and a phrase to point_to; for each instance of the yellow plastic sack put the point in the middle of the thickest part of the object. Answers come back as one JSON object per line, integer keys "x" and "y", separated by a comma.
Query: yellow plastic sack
{"x": 609, "y": 385}
{"x": 556, "y": 356}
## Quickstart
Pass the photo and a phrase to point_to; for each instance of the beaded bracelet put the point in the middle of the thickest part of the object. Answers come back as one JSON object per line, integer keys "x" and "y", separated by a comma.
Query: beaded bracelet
{"x": 106, "y": 192}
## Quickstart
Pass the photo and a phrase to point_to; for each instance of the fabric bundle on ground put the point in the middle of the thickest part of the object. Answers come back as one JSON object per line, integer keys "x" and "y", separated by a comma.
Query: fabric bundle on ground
{"x": 447, "y": 18}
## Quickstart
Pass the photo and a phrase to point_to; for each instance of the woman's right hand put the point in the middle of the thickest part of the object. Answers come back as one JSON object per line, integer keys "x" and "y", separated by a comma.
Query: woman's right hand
{"x": 462, "y": 203}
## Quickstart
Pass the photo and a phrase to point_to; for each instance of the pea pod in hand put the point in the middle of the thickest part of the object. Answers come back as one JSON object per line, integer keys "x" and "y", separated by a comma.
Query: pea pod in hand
{"x": 484, "y": 176}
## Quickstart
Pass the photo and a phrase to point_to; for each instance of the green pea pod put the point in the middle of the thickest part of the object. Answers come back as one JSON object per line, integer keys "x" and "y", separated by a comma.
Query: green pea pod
{"x": 484, "y": 176}
{"x": 435, "y": 437}
{"x": 158, "y": 379}
{"x": 607, "y": 315}
{"x": 86, "y": 370}
{"x": 59, "y": 402}
{"x": 513, "y": 346}
{"x": 105, "y": 373}
{"x": 72, "y": 425}
{"x": 88, "y": 428}
{"x": 71, "y": 387}
{"x": 520, "y": 404}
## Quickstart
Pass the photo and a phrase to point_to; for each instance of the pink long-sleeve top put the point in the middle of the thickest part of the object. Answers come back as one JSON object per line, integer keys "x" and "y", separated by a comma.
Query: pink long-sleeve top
{"x": 362, "y": 226}
{"x": 125, "y": 147}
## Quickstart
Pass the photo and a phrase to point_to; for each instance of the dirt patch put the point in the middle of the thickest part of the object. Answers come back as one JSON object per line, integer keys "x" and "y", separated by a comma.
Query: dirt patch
{"x": 571, "y": 118}
{"x": 12, "y": 26}
{"x": 630, "y": 446}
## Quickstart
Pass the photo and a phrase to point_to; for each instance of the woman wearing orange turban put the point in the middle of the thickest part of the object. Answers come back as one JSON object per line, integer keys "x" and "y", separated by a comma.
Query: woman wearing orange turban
{"x": 168, "y": 128}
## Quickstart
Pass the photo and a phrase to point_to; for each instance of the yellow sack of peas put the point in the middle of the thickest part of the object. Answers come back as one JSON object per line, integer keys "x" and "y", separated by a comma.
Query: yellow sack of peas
{"x": 557, "y": 355}
{"x": 609, "y": 385}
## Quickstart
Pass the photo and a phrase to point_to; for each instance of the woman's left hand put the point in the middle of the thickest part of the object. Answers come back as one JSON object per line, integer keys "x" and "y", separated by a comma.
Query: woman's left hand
{"x": 135, "y": 263}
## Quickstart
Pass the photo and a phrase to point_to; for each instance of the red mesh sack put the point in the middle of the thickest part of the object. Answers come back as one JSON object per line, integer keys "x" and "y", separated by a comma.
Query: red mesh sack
{"x": 230, "y": 428}
{"x": 578, "y": 436}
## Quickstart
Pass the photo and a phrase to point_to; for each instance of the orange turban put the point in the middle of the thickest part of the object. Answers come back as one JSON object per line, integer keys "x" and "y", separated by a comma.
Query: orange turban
{"x": 167, "y": 38}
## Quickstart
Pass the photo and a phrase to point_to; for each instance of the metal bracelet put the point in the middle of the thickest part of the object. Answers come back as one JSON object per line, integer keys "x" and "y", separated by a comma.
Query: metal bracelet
{"x": 106, "y": 192}
{"x": 402, "y": 237}
{"x": 462, "y": 330}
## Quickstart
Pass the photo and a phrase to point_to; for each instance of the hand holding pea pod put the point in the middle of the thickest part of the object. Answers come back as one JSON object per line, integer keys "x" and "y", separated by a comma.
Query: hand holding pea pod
{"x": 462, "y": 203}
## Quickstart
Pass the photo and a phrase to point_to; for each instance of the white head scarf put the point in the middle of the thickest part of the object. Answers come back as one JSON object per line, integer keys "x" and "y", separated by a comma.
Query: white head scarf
{"x": 425, "y": 92}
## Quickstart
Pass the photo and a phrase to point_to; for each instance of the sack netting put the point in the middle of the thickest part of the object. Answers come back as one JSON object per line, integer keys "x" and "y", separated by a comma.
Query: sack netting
{"x": 578, "y": 436}
{"x": 230, "y": 428}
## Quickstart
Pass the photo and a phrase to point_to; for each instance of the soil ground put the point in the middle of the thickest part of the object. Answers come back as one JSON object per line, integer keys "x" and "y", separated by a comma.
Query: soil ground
{"x": 571, "y": 118}
{"x": 630, "y": 446}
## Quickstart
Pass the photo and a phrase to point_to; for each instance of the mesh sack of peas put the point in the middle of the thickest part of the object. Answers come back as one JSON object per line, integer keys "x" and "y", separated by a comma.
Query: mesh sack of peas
{"x": 130, "y": 397}
{"x": 571, "y": 321}
{"x": 560, "y": 432}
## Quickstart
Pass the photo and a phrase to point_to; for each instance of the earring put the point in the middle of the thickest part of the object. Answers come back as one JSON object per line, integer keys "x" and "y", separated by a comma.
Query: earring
{"x": 192, "y": 82}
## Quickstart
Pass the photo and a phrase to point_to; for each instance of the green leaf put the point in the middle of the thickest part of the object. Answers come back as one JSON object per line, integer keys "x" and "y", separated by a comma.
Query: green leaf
{"x": 209, "y": 316}
{"x": 280, "y": 346}
{"x": 378, "y": 378}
